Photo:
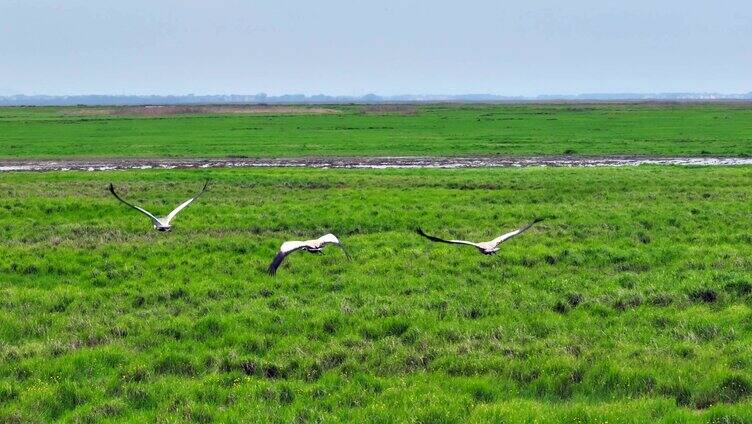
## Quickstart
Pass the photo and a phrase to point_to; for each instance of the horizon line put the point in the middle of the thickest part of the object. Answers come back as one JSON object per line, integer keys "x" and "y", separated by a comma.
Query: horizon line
{"x": 262, "y": 98}
{"x": 438, "y": 94}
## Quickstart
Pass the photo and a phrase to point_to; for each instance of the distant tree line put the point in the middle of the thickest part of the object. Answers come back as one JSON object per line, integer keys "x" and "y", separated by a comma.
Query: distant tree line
{"x": 262, "y": 98}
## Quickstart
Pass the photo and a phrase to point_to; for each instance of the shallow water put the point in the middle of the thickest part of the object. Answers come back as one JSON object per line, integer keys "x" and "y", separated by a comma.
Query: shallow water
{"x": 367, "y": 162}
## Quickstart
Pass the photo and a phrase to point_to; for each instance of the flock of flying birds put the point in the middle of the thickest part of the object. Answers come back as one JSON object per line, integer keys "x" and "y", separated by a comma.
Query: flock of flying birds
{"x": 317, "y": 245}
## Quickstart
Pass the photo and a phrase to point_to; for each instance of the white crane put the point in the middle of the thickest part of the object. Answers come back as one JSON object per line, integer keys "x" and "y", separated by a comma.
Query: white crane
{"x": 163, "y": 223}
{"x": 312, "y": 246}
{"x": 485, "y": 247}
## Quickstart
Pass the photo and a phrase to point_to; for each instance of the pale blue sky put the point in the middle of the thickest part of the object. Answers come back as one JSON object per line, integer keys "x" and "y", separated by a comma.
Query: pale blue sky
{"x": 355, "y": 47}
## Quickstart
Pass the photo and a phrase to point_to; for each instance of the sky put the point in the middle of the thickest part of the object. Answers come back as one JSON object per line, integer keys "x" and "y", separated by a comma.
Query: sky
{"x": 352, "y": 47}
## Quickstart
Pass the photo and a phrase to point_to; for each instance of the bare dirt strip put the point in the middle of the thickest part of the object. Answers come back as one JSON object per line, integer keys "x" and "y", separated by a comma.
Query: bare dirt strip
{"x": 197, "y": 110}
{"x": 107, "y": 164}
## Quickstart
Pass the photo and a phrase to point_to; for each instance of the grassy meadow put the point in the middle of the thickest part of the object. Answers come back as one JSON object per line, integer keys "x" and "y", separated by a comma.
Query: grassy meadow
{"x": 631, "y": 302}
{"x": 431, "y": 130}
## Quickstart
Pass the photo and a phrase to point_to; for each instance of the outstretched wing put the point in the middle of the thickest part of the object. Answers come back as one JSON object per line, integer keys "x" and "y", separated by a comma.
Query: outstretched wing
{"x": 332, "y": 239}
{"x": 440, "y": 240}
{"x": 328, "y": 238}
{"x": 142, "y": 210}
{"x": 276, "y": 262}
{"x": 347, "y": 253}
{"x": 507, "y": 236}
{"x": 186, "y": 203}
{"x": 287, "y": 248}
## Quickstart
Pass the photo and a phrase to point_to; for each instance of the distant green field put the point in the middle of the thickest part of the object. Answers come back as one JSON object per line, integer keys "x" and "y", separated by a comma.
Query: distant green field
{"x": 630, "y": 303}
{"x": 711, "y": 129}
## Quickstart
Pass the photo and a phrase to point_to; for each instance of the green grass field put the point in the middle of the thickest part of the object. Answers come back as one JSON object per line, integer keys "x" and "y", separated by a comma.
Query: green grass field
{"x": 450, "y": 130}
{"x": 630, "y": 303}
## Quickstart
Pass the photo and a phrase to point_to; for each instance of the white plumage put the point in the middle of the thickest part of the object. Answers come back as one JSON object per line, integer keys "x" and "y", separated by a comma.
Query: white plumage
{"x": 485, "y": 247}
{"x": 312, "y": 246}
{"x": 161, "y": 223}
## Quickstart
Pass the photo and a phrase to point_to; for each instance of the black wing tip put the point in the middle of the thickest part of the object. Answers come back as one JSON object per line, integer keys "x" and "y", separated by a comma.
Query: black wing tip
{"x": 272, "y": 268}
{"x": 276, "y": 262}
{"x": 203, "y": 189}
{"x": 114, "y": 193}
{"x": 432, "y": 238}
{"x": 538, "y": 219}
{"x": 345, "y": 251}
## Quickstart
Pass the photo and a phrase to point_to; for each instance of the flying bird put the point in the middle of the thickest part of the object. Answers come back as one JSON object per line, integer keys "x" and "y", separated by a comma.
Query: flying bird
{"x": 312, "y": 246}
{"x": 485, "y": 247}
{"x": 163, "y": 223}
